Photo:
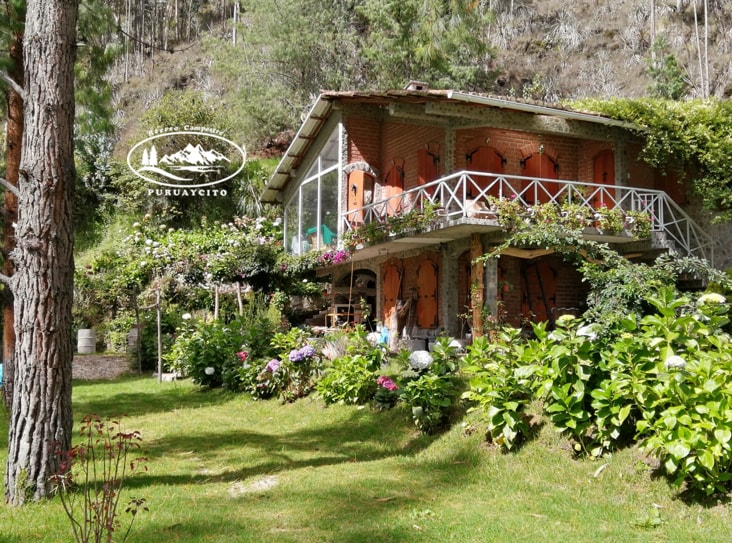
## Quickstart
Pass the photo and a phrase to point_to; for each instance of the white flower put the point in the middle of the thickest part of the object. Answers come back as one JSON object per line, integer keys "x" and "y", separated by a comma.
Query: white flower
{"x": 564, "y": 320}
{"x": 711, "y": 298}
{"x": 135, "y": 225}
{"x": 209, "y": 371}
{"x": 589, "y": 331}
{"x": 148, "y": 242}
{"x": 186, "y": 316}
{"x": 420, "y": 360}
{"x": 675, "y": 362}
{"x": 143, "y": 264}
{"x": 373, "y": 338}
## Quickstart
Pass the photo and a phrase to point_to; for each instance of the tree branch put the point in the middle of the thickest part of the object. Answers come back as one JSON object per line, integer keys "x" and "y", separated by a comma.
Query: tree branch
{"x": 8, "y": 186}
{"x": 6, "y": 280}
{"x": 10, "y": 81}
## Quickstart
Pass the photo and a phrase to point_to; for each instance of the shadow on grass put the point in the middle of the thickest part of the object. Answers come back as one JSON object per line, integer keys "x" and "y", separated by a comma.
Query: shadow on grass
{"x": 133, "y": 396}
{"x": 359, "y": 437}
{"x": 389, "y": 506}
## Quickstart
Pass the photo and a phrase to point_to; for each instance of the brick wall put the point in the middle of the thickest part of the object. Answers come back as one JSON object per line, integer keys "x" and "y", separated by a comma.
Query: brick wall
{"x": 94, "y": 367}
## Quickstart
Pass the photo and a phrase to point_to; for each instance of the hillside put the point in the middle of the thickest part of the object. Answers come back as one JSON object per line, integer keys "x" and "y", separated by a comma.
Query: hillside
{"x": 541, "y": 49}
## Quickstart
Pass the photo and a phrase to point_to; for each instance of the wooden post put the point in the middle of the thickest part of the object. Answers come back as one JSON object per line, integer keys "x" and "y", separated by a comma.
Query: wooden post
{"x": 477, "y": 287}
{"x": 160, "y": 338}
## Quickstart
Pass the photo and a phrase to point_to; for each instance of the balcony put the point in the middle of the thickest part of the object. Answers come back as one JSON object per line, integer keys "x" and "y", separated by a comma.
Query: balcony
{"x": 462, "y": 204}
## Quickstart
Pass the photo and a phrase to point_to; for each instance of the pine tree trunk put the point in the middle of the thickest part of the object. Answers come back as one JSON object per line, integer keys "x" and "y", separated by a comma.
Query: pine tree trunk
{"x": 43, "y": 281}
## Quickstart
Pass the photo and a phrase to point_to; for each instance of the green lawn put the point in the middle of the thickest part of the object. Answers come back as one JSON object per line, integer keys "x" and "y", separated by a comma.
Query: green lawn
{"x": 225, "y": 469}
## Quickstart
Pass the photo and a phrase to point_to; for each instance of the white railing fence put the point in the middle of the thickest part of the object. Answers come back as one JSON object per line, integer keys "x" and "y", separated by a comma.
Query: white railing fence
{"x": 456, "y": 196}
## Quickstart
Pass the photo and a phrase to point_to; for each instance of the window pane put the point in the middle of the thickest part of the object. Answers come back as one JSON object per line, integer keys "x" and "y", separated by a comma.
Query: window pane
{"x": 309, "y": 216}
{"x": 329, "y": 208}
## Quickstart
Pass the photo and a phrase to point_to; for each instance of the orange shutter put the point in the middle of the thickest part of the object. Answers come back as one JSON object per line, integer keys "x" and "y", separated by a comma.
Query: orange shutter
{"x": 542, "y": 167}
{"x": 485, "y": 159}
{"x": 604, "y": 174}
{"x": 390, "y": 290}
{"x": 427, "y": 287}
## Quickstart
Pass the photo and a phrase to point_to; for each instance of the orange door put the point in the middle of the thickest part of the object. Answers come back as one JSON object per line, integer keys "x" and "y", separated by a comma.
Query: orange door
{"x": 390, "y": 289}
{"x": 428, "y": 167}
{"x": 485, "y": 159}
{"x": 358, "y": 183}
{"x": 604, "y": 168}
{"x": 541, "y": 166}
{"x": 427, "y": 288}
{"x": 393, "y": 186}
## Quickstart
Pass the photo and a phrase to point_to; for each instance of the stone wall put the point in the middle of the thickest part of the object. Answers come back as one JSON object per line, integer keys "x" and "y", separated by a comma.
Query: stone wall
{"x": 99, "y": 366}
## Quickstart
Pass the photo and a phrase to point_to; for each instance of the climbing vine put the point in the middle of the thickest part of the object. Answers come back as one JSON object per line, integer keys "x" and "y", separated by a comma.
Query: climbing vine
{"x": 618, "y": 286}
{"x": 693, "y": 137}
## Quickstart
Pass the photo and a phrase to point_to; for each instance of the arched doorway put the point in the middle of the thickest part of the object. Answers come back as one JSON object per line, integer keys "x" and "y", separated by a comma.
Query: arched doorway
{"x": 604, "y": 174}
{"x": 542, "y": 166}
{"x": 485, "y": 159}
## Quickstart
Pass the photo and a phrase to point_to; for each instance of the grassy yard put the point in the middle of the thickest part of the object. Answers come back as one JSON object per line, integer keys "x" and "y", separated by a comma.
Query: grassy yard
{"x": 226, "y": 469}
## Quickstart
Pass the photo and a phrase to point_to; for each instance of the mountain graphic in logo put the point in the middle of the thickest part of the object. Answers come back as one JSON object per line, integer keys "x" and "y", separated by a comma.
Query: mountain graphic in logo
{"x": 198, "y": 164}
{"x": 194, "y": 159}
{"x": 191, "y": 157}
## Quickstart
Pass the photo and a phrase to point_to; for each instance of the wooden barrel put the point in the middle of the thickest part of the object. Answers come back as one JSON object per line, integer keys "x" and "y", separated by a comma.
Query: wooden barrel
{"x": 87, "y": 341}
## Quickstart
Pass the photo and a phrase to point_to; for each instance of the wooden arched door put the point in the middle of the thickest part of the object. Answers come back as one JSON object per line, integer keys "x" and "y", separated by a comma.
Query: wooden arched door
{"x": 485, "y": 159}
{"x": 604, "y": 174}
{"x": 360, "y": 191}
{"x": 428, "y": 165}
{"x": 539, "y": 290}
{"x": 427, "y": 291}
{"x": 393, "y": 187}
{"x": 390, "y": 289}
{"x": 542, "y": 166}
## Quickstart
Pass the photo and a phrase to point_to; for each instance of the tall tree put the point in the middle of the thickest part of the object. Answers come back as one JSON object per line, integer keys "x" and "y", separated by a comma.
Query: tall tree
{"x": 41, "y": 416}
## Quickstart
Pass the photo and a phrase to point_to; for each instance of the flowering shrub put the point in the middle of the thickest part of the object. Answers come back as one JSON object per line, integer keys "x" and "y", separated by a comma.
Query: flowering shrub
{"x": 300, "y": 364}
{"x": 665, "y": 381}
{"x": 387, "y": 393}
{"x": 335, "y": 256}
{"x": 430, "y": 385}
{"x": 420, "y": 360}
{"x": 351, "y": 376}
{"x": 215, "y": 354}
{"x": 349, "y": 379}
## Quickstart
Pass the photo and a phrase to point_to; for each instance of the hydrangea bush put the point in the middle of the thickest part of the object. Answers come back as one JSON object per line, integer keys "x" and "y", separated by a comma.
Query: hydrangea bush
{"x": 430, "y": 386}
{"x": 664, "y": 382}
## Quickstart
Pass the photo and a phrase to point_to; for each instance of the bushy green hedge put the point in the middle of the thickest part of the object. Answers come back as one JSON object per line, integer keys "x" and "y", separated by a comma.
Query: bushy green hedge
{"x": 665, "y": 383}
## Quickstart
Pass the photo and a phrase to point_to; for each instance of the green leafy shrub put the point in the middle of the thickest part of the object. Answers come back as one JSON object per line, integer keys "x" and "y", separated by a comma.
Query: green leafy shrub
{"x": 300, "y": 364}
{"x": 204, "y": 351}
{"x": 351, "y": 379}
{"x": 430, "y": 386}
{"x": 665, "y": 382}
{"x": 500, "y": 385}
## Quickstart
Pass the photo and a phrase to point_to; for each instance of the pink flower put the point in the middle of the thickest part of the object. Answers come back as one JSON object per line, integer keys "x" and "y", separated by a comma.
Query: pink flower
{"x": 243, "y": 355}
{"x": 385, "y": 382}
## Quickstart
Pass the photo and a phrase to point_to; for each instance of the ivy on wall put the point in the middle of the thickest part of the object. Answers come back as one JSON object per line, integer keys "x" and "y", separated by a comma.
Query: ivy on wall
{"x": 693, "y": 137}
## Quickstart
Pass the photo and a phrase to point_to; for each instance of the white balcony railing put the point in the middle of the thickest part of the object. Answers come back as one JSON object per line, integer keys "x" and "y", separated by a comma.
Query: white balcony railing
{"x": 456, "y": 194}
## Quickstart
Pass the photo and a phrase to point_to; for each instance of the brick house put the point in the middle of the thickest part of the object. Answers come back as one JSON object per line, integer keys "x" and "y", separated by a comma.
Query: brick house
{"x": 410, "y": 180}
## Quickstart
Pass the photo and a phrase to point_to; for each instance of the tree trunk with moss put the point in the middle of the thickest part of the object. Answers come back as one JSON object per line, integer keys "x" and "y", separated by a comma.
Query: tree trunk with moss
{"x": 41, "y": 417}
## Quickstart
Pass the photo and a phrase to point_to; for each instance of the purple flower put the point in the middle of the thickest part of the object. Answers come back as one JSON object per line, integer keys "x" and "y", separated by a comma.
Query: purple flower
{"x": 273, "y": 365}
{"x": 295, "y": 355}
{"x": 308, "y": 351}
